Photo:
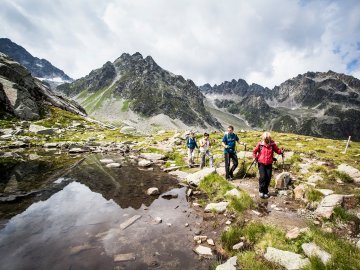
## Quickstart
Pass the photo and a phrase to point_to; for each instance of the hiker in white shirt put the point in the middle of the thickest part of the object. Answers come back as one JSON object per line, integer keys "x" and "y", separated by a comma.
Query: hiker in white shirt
{"x": 204, "y": 151}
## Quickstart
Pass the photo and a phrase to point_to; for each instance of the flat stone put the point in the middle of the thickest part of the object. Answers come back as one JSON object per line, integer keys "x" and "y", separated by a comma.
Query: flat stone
{"x": 287, "y": 259}
{"x": 157, "y": 220}
{"x": 229, "y": 265}
{"x": 153, "y": 191}
{"x": 210, "y": 242}
{"x": 311, "y": 249}
{"x": 327, "y": 205}
{"x": 6, "y": 137}
{"x": 113, "y": 165}
{"x": 80, "y": 248}
{"x": 200, "y": 238}
{"x": 129, "y": 222}
{"x": 283, "y": 180}
{"x": 51, "y": 145}
{"x": 203, "y": 251}
{"x": 217, "y": 207}
{"x": 106, "y": 160}
{"x": 351, "y": 171}
{"x": 41, "y": 130}
{"x": 293, "y": 233}
{"x": 124, "y": 257}
{"x": 128, "y": 130}
{"x": 325, "y": 192}
{"x": 77, "y": 150}
{"x": 238, "y": 246}
{"x": 234, "y": 193}
{"x": 144, "y": 163}
{"x": 179, "y": 174}
{"x": 169, "y": 196}
{"x": 315, "y": 178}
{"x": 195, "y": 178}
{"x": 152, "y": 156}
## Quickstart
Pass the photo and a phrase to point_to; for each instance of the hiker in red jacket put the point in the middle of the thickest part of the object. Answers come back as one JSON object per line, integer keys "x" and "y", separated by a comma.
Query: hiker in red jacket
{"x": 263, "y": 154}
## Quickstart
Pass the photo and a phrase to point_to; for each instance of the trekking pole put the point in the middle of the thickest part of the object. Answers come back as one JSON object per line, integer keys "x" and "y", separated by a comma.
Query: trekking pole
{"x": 249, "y": 168}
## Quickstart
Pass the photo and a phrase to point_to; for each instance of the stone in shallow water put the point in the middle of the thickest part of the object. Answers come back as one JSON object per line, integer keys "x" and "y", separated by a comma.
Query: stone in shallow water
{"x": 195, "y": 178}
{"x": 106, "y": 160}
{"x": 152, "y": 156}
{"x": 153, "y": 191}
{"x": 124, "y": 257}
{"x": 144, "y": 163}
{"x": 113, "y": 165}
{"x": 287, "y": 259}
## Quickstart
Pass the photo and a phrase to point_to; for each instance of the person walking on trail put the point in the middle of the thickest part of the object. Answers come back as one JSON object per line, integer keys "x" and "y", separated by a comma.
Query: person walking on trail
{"x": 191, "y": 144}
{"x": 204, "y": 151}
{"x": 229, "y": 143}
{"x": 263, "y": 154}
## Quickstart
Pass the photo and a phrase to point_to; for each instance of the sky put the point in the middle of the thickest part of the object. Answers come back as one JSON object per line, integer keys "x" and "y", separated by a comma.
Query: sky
{"x": 209, "y": 41}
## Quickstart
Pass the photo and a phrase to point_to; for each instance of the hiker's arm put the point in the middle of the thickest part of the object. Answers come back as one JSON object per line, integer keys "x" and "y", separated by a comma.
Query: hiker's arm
{"x": 278, "y": 150}
{"x": 224, "y": 142}
{"x": 255, "y": 151}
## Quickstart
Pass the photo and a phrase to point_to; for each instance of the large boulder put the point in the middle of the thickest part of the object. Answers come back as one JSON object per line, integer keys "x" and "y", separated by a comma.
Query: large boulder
{"x": 152, "y": 156}
{"x": 128, "y": 130}
{"x": 351, "y": 171}
{"x": 283, "y": 180}
{"x": 287, "y": 259}
{"x": 195, "y": 178}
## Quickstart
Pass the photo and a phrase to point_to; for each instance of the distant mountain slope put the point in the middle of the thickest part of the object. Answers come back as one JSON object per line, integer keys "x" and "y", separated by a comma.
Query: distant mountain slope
{"x": 25, "y": 97}
{"x": 136, "y": 91}
{"x": 323, "y": 104}
{"x": 39, "y": 68}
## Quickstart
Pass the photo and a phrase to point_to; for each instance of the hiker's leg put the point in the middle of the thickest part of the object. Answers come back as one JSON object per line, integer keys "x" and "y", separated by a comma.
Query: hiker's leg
{"x": 227, "y": 164}
{"x": 268, "y": 177}
{"x": 211, "y": 159}
{"x": 262, "y": 178}
{"x": 235, "y": 162}
{"x": 193, "y": 156}
{"x": 202, "y": 162}
{"x": 189, "y": 156}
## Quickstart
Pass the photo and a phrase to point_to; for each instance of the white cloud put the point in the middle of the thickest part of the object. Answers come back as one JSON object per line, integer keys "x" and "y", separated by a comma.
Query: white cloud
{"x": 207, "y": 41}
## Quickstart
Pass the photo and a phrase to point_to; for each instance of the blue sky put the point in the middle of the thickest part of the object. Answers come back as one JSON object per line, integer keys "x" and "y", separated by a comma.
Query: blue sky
{"x": 261, "y": 41}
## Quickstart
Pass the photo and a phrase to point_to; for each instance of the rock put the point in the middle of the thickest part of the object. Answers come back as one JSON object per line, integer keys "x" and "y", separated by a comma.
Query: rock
{"x": 124, "y": 257}
{"x": 287, "y": 259}
{"x": 200, "y": 238}
{"x": 311, "y": 249}
{"x": 293, "y": 233}
{"x": 203, "y": 251}
{"x": 153, "y": 191}
{"x": 229, "y": 265}
{"x": 299, "y": 192}
{"x": 283, "y": 180}
{"x": 228, "y": 222}
{"x": 144, "y": 163}
{"x": 129, "y": 222}
{"x": 351, "y": 171}
{"x": 195, "y": 178}
{"x": 152, "y": 156}
{"x": 78, "y": 249}
{"x": 179, "y": 174}
{"x": 106, "y": 160}
{"x": 217, "y": 207}
{"x": 128, "y": 130}
{"x": 186, "y": 224}
{"x": 189, "y": 192}
{"x": 113, "y": 165}
{"x": 51, "y": 145}
{"x": 234, "y": 192}
{"x": 157, "y": 220}
{"x": 41, "y": 130}
{"x": 6, "y": 137}
{"x": 325, "y": 192}
{"x": 327, "y": 205}
{"x": 350, "y": 201}
{"x": 169, "y": 196}
{"x": 197, "y": 231}
{"x": 315, "y": 178}
{"x": 238, "y": 246}
{"x": 77, "y": 150}
{"x": 18, "y": 144}
{"x": 210, "y": 242}
{"x": 358, "y": 244}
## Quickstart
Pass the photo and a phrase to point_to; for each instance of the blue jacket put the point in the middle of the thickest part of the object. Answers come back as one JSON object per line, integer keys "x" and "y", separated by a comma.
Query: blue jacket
{"x": 191, "y": 143}
{"x": 230, "y": 140}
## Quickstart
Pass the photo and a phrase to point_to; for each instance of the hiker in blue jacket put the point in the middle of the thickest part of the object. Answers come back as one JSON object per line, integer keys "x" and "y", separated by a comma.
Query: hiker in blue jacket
{"x": 229, "y": 142}
{"x": 191, "y": 145}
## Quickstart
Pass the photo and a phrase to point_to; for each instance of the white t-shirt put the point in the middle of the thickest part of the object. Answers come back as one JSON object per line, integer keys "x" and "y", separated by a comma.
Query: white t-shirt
{"x": 206, "y": 144}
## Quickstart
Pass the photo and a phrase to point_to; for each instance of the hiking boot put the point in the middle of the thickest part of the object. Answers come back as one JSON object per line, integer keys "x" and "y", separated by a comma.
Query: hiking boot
{"x": 261, "y": 195}
{"x": 229, "y": 178}
{"x": 266, "y": 196}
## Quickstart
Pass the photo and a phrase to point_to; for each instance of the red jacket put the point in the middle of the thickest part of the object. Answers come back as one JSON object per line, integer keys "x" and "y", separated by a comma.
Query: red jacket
{"x": 265, "y": 156}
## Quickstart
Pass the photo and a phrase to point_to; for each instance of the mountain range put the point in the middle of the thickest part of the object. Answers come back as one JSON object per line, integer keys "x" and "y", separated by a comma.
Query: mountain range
{"x": 39, "y": 68}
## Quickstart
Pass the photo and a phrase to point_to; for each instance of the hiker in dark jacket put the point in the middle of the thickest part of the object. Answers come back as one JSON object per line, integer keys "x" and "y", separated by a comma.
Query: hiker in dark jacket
{"x": 191, "y": 144}
{"x": 263, "y": 154}
{"x": 229, "y": 142}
